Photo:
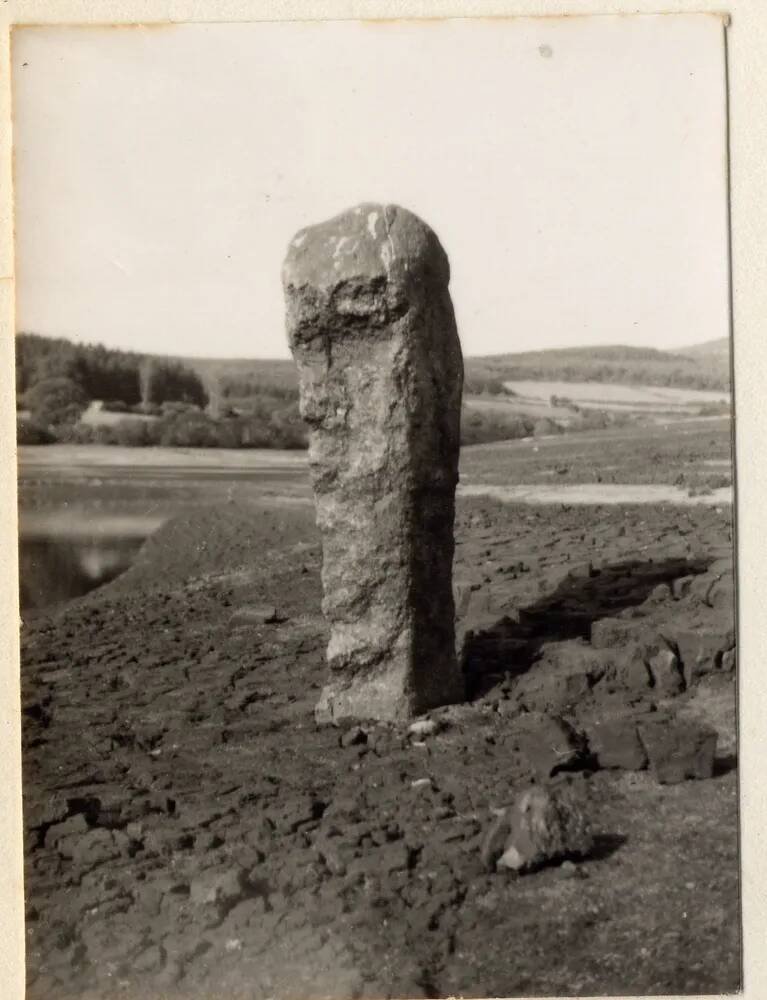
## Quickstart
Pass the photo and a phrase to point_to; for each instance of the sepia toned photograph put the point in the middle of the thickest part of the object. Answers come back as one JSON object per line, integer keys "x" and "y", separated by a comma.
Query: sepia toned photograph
{"x": 376, "y": 480}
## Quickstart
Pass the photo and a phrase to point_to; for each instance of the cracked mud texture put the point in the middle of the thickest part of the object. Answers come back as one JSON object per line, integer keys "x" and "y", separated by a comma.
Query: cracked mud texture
{"x": 191, "y": 831}
{"x": 372, "y": 330}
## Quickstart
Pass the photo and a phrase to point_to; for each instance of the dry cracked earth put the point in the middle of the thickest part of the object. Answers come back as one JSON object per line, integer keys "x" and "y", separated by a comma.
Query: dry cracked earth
{"x": 191, "y": 832}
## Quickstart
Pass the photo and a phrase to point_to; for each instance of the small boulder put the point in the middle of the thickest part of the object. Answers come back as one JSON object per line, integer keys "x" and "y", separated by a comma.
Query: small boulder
{"x": 630, "y": 671}
{"x": 678, "y": 749}
{"x": 257, "y": 614}
{"x": 570, "y": 870}
{"x": 218, "y": 888}
{"x": 549, "y": 744}
{"x": 666, "y": 672}
{"x": 76, "y": 824}
{"x": 721, "y": 594}
{"x": 612, "y": 633}
{"x": 680, "y": 587}
{"x": 541, "y": 825}
{"x": 615, "y": 743}
{"x": 96, "y": 847}
{"x": 353, "y": 736}
{"x": 659, "y": 594}
{"x": 729, "y": 661}
{"x": 700, "y": 649}
{"x": 561, "y": 679}
{"x": 422, "y": 728}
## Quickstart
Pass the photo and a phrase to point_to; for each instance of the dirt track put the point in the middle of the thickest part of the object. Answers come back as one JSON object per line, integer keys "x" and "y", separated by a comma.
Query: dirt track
{"x": 191, "y": 832}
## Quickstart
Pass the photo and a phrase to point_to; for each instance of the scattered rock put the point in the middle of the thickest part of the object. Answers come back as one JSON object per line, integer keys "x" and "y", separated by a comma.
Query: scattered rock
{"x": 354, "y": 736}
{"x": 218, "y": 888}
{"x": 609, "y": 633}
{"x": 422, "y": 728}
{"x": 262, "y": 614}
{"x": 659, "y": 594}
{"x": 148, "y": 960}
{"x": 560, "y": 679}
{"x": 540, "y": 826}
{"x": 570, "y": 870}
{"x": 721, "y": 593}
{"x": 681, "y": 586}
{"x": 549, "y": 743}
{"x": 627, "y": 670}
{"x": 678, "y": 749}
{"x": 615, "y": 743}
{"x": 729, "y": 660}
{"x": 495, "y": 839}
{"x": 94, "y": 847}
{"x": 666, "y": 672}
{"x": 74, "y": 825}
{"x": 700, "y": 649}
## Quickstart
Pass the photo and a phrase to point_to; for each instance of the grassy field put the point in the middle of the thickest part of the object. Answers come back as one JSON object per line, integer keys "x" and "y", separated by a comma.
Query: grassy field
{"x": 600, "y": 394}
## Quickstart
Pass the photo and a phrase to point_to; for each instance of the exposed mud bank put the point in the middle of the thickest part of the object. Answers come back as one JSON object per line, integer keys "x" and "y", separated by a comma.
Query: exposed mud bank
{"x": 190, "y": 831}
{"x": 597, "y": 493}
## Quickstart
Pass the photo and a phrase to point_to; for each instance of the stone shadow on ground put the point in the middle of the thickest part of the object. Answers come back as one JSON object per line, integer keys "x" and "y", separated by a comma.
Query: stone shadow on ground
{"x": 508, "y": 648}
{"x": 605, "y": 845}
{"x": 724, "y": 764}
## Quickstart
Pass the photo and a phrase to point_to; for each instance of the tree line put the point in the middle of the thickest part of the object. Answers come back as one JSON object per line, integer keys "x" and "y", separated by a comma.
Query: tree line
{"x": 163, "y": 400}
{"x": 75, "y": 374}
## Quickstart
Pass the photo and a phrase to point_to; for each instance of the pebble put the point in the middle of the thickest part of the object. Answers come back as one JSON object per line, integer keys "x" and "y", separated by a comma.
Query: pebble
{"x": 356, "y": 736}
{"x": 569, "y": 869}
{"x": 423, "y": 727}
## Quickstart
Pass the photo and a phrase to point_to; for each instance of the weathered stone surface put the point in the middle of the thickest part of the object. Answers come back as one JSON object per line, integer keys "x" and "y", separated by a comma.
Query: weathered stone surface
{"x": 257, "y": 614}
{"x": 560, "y": 679}
{"x": 549, "y": 743}
{"x": 678, "y": 750}
{"x": 680, "y": 587}
{"x": 372, "y": 330}
{"x": 615, "y": 743}
{"x": 541, "y": 825}
{"x": 627, "y": 671}
{"x": 571, "y": 672}
{"x": 700, "y": 649}
{"x": 729, "y": 661}
{"x": 615, "y": 633}
{"x": 666, "y": 672}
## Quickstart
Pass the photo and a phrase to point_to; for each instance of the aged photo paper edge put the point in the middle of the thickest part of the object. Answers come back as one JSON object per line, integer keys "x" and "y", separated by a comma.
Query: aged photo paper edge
{"x": 746, "y": 22}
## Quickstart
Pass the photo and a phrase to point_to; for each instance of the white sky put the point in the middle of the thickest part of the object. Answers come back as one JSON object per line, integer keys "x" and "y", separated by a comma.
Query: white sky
{"x": 574, "y": 169}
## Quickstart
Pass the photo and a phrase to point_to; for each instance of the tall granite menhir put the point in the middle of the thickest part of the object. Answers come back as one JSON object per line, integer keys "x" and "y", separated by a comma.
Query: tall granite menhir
{"x": 373, "y": 333}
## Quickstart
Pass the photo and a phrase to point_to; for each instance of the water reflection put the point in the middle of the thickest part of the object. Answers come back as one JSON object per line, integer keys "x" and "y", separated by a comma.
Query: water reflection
{"x": 55, "y": 569}
{"x": 84, "y": 512}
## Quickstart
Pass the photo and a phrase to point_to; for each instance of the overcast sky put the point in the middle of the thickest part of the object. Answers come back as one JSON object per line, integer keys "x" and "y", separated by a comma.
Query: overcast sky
{"x": 573, "y": 168}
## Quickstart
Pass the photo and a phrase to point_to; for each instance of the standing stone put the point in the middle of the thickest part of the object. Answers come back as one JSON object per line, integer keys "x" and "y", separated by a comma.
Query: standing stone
{"x": 372, "y": 330}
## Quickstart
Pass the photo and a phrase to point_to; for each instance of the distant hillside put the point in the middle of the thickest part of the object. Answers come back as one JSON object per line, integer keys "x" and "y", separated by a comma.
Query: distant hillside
{"x": 235, "y": 381}
{"x": 719, "y": 348}
{"x": 254, "y": 402}
{"x": 238, "y": 377}
{"x": 702, "y": 367}
{"x": 615, "y": 363}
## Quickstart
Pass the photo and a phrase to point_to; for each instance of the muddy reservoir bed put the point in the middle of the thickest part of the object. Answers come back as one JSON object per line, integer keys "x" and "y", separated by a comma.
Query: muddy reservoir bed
{"x": 191, "y": 832}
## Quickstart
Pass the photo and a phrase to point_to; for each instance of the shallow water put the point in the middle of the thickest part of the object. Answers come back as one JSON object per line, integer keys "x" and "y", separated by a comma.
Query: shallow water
{"x": 81, "y": 525}
{"x": 58, "y": 568}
